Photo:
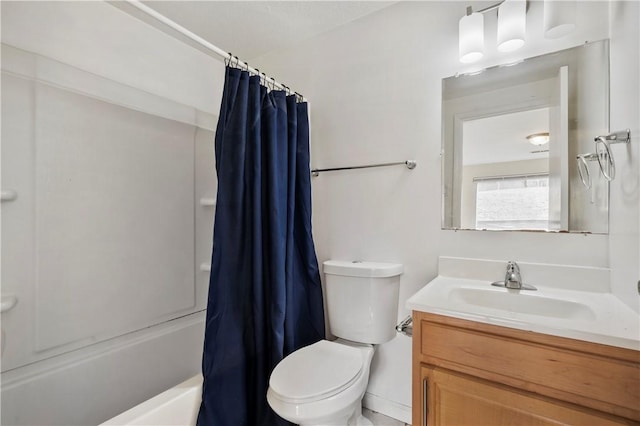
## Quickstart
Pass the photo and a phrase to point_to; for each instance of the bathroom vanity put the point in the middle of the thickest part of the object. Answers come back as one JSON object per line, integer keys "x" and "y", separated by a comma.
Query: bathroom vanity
{"x": 466, "y": 372}
{"x": 489, "y": 356}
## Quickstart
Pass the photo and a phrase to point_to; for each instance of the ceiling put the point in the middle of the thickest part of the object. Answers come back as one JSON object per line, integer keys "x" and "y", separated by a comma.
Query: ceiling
{"x": 503, "y": 138}
{"x": 250, "y": 29}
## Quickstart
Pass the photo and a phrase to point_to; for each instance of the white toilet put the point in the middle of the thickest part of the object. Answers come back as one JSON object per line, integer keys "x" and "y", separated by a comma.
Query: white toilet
{"x": 323, "y": 383}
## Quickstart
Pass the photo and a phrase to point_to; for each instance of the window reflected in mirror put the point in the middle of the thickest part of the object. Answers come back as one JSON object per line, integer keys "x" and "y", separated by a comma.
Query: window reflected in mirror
{"x": 506, "y": 177}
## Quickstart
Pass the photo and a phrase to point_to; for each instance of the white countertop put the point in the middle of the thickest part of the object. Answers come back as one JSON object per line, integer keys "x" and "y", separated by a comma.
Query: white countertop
{"x": 599, "y": 316}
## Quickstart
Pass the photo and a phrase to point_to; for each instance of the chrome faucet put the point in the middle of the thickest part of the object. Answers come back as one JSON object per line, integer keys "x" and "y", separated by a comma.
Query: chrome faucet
{"x": 513, "y": 279}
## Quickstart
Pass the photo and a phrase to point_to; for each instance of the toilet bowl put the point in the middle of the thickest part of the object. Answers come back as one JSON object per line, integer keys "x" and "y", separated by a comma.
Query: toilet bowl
{"x": 322, "y": 384}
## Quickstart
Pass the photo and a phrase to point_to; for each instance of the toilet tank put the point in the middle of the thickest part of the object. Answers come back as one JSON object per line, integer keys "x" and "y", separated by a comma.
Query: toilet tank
{"x": 362, "y": 299}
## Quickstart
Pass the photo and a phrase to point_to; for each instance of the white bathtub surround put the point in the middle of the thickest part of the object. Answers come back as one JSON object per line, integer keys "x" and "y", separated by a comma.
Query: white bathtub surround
{"x": 570, "y": 301}
{"x": 103, "y": 243}
{"x": 90, "y": 385}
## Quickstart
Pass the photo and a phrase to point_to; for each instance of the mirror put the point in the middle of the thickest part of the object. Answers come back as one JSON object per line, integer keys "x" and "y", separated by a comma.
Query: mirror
{"x": 517, "y": 141}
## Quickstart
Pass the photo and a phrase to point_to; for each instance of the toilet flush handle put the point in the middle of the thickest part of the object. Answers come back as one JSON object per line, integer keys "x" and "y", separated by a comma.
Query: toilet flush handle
{"x": 406, "y": 326}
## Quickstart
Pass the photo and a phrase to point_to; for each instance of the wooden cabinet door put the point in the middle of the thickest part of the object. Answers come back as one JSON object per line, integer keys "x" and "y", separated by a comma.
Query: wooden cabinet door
{"x": 456, "y": 399}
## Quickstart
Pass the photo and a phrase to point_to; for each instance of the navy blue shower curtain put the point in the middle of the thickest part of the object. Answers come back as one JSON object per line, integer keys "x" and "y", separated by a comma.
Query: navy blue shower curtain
{"x": 265, "y": 297}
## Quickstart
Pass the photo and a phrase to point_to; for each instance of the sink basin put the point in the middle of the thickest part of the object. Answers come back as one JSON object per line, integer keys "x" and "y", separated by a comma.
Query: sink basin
{"x": 521, "y": 302}
{"x": 571, "y": 301}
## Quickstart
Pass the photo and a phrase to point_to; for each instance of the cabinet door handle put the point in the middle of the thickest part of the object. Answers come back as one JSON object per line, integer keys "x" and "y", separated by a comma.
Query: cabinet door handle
{"x": 425, "y": 404}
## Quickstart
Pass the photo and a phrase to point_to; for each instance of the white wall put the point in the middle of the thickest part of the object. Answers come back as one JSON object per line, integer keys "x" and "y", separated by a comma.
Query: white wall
{"x": 85, "y": 86}
{"x": 624, "y": 253}
{"x": 375, "y": 86}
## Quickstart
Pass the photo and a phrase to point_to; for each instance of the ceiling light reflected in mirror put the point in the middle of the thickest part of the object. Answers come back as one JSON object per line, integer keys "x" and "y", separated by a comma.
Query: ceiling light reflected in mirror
{"x": 538, "y": 139}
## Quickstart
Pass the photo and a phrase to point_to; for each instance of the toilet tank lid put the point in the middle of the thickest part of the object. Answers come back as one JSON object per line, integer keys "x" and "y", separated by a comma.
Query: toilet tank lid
{"x": 362, "y": 269}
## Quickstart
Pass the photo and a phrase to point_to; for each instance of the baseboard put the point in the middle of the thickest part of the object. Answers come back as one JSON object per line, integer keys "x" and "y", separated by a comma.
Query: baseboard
{"x": 387, "y": 407}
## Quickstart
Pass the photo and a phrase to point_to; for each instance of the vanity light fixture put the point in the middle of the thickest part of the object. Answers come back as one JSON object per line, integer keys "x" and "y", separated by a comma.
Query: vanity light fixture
{"x": 538, "y": 139}
{"x": 511, "y": 29}
{"x": 559, "y": 18}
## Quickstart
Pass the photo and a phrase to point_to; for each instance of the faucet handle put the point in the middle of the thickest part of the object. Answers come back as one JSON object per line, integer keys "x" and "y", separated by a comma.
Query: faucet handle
{"x": 512, "y": 279}
{"x": 512, "y": 266}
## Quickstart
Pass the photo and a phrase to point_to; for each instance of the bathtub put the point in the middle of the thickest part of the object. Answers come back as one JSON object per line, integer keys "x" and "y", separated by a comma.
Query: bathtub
{"x": 176, "y": 406}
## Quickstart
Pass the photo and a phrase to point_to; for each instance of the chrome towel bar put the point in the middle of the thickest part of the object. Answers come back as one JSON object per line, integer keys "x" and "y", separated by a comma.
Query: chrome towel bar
{"x": 411, "y": 164}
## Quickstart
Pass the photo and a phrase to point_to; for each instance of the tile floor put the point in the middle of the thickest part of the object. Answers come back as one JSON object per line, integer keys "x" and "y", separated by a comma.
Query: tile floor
{"x": 380, "y": 420}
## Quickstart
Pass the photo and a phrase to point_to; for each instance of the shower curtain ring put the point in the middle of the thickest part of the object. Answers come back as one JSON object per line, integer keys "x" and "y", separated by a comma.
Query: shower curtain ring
{"x": 227, "y": 61}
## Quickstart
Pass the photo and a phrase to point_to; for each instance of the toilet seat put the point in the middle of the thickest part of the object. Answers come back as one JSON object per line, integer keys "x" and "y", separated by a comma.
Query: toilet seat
{"x": 316, "y": 372}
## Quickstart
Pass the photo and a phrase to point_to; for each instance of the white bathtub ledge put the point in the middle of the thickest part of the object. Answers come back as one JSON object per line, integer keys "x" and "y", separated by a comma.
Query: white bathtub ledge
{"x": 176, "y": 406}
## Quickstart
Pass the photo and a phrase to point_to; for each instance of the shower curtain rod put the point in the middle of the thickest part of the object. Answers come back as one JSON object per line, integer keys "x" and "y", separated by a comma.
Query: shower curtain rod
{"x": 204, "y": 43}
